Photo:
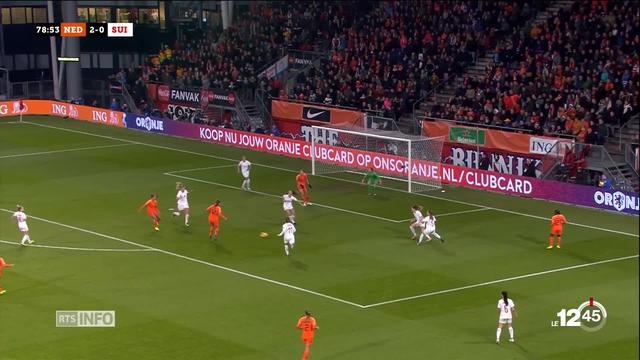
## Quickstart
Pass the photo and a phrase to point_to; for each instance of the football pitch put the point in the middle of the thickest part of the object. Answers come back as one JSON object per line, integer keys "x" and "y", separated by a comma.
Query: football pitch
{"x": 374, "y": 293}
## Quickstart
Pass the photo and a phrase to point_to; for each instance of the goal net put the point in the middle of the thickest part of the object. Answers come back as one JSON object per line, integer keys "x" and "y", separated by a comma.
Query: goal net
{"x": 412, "y": 160}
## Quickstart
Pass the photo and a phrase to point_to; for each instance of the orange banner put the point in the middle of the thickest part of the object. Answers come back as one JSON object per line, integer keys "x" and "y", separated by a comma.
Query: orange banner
{"x": 62, "y": 109}
{"x": 323, "y": 115}
{"x": 490, "y": 138}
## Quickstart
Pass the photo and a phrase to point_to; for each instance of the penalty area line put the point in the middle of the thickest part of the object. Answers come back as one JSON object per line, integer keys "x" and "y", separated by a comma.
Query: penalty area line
{"x": 200, "y": 168}
{"x": 188, "y": 258}
{"x": 280, "y": 197}
{"x": 73, "y": 248}
{"x": 65, "y": 150}
{"x": 452, "y": 213}
{"x": 540, "y": 273}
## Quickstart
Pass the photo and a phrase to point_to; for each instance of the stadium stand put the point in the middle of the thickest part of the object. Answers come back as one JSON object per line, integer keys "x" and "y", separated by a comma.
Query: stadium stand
{"x": 575, "y": 73}
{"x": 400, "y": 51}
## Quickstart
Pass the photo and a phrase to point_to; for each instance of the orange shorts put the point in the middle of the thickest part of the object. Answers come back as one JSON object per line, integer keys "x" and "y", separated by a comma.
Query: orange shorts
{"x": 307, "y": 340}
{"x": 214, "y": 222}
{"x": 556, "y": 231}
{"x": 153, "y": 213}
{"x": 302, "y": 187}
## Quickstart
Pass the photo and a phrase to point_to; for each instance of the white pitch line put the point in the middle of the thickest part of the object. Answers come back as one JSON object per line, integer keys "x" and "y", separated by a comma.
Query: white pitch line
{"x": 202, "y": 168}
{"x": 184, "y": 257}
{"x": 64, "y": 150}
{"x": 73, "y": 248}
{"x": 280, "y": 197}
{"x": 499, "y": 281}
{"x": 329, "y": 177}
{"x": 451, "y": 213}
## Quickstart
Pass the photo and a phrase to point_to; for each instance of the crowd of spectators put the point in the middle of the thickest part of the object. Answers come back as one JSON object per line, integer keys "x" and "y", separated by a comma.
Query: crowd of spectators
{"x": 232, "y": 59}
{"x": 389, "y": 57}
{"x": 576, "y": 74}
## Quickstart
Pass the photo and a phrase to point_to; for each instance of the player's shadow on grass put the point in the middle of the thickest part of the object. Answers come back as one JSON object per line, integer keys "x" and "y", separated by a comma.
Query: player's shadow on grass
{"x": 441, "y": 248}
{"x": 298, "y": 264}
{"x": 219, "y": 248}
{"x": 542, "y": 243}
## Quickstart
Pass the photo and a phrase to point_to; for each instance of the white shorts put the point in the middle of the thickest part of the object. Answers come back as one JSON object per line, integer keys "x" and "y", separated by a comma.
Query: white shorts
{"x": 23, "y": 227}
{"x": 287, "y": 207}
{"x": 429, "y": 230}
{"x": 290, "y": 241}
{"x": 415, "y": 223}
{"x": 505, "y": 320}
{"x": 183, "y": 206}
{"x": 245, "y": 175}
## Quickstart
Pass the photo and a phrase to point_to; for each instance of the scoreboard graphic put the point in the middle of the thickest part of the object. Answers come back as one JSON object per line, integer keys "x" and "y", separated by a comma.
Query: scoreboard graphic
{"x": 81, "y": 29}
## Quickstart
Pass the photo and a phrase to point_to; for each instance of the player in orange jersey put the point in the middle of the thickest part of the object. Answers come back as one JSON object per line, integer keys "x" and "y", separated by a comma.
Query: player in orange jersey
{"x": 215, "y": 213}
{"x": 557, "y": 221}
{"x": 3, "y": 265}
{"x": 152, "y": 210}
{"x": 308, "y": 325}
{"x": 302, "y": 183}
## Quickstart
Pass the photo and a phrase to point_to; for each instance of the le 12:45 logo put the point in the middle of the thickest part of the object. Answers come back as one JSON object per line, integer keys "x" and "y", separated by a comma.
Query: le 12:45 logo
{"x": 590, "y": 316}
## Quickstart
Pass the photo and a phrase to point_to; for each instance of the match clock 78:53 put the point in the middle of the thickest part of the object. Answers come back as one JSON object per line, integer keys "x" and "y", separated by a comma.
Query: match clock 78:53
{"x": 47, "y": 30}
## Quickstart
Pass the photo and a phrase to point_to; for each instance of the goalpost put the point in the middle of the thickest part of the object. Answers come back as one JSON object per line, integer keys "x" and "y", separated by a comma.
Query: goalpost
{"x": 391, "y": 154}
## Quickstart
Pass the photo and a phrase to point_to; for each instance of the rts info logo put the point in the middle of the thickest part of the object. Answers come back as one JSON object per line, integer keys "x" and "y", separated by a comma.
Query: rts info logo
{"x": 590, "y": 316}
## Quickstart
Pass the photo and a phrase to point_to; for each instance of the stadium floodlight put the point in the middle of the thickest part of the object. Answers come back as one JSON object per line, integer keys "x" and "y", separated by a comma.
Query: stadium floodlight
{"x": 412, "y": 161}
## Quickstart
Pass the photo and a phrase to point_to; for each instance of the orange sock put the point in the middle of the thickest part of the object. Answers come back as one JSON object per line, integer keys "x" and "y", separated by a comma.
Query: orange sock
{"x": 305, "y": 354}
{"x": 559, "y": 237}
{"x": 210, "y": 231}
{"x": 216, "y": 230}
{"x": 550, "y": 240}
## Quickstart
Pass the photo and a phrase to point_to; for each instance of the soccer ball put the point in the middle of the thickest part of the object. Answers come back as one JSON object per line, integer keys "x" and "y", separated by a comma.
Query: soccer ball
{"x": 263, "y": 234}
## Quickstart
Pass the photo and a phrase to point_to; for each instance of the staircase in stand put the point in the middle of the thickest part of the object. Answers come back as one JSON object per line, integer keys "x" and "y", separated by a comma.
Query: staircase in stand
{"x": 478, "y": 69}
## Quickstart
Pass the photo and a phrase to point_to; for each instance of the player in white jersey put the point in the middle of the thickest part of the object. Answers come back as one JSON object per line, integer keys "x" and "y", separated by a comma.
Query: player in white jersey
{"x": 416, "y": 210}
{"x": 287, "y": 205}
{"x": 244, "y": 168}
{"x": 429, "y": 228}
{"x": 21, "y": 219}
{"x": 182, "y": 202}
{"x": 507, "y": 311}
{"x": 288, "y": 231}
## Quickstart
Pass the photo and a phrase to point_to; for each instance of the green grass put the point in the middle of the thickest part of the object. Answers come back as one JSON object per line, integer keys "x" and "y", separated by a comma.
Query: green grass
{"x": 180, "y": 300}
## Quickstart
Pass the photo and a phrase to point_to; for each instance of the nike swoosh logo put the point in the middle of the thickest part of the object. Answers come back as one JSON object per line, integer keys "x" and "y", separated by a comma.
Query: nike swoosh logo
{"x": 311, "y": 115}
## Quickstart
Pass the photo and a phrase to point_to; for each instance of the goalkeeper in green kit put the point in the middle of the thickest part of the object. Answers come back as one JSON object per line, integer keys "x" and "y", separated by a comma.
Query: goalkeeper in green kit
{"x": 373, "y": 179}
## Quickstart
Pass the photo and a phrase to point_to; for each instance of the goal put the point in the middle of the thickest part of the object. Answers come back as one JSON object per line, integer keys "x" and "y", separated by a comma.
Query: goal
{"x": 414, "y": 161}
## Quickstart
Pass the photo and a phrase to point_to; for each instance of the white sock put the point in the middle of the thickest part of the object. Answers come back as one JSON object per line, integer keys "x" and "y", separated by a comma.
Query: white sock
{"x": 413, "y": 231}
{"x": 421, "y": 237}
{"x": 511, "y": 332}
{"x": 248, "y": 184}
{"x": 25, "y": 238}
{"x": 286, "y": 249}
{"x": 292, "y": 218}
{"x": 186, "y": 219}
{"x": 498, "y": 334}
{"x": 175, "y": 213}
{"x": 436, "y": 235}
{"x": 245, "y": 184}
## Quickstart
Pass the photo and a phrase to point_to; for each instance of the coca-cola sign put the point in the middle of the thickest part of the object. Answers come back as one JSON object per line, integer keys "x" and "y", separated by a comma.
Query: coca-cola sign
{"x": 163, "y": 93}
